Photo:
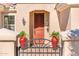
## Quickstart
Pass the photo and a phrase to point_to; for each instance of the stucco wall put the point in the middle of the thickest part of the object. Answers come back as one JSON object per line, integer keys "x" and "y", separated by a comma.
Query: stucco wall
{"x": 23, "y": 12}
{"x": 1, "y": 15}
{"x": 1, "y": 21}
{"x": 64, "y": 19}
{"x": 74, "y": 18}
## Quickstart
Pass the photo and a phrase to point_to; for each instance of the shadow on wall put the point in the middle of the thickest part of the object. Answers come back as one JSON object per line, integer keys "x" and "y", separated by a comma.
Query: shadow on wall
{"x": 71, "y": 46}
{"x": 74, "y": 45}
{"x": 63, "y": 13}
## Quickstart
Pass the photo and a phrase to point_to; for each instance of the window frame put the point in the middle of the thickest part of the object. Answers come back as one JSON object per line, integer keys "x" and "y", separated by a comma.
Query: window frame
{"x": 9, "y": 14}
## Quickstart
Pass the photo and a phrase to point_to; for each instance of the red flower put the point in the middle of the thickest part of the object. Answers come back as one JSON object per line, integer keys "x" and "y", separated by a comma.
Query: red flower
{"x": 23, "y": 42}
{"x": 54, "y": 42}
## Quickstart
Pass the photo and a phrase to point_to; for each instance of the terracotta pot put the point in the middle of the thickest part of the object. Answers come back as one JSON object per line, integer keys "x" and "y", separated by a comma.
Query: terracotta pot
{"x": 23, "y": 42}
{"x": 54, "y": 42}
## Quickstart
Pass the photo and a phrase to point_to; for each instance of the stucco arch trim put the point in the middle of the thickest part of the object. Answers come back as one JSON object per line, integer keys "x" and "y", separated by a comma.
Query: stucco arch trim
{"x": 31, "y": 20}
{"x": 39, "y": 11}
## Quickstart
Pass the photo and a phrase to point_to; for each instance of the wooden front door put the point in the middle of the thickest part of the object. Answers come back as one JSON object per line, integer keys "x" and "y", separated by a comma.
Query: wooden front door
{"x": 38, "y": 31}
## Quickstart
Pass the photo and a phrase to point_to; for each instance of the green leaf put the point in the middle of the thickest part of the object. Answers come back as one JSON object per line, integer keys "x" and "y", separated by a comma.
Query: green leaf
{"x": 22, "y": 33}
{"x": 55, "y": 33}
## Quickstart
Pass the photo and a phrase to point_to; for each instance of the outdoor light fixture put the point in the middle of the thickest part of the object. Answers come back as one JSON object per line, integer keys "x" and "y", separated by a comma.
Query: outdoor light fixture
{"x": 23, "y": 21}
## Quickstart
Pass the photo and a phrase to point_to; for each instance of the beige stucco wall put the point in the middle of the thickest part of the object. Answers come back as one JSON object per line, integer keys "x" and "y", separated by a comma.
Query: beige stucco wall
{"x": 1, "y": 9}
{"x": 64, "y": 19}
{"x": 23, "y": 12}
{"x": 7, "y": 49}
{"x": 74, "y": 17}
{"x": 1, "y": 21}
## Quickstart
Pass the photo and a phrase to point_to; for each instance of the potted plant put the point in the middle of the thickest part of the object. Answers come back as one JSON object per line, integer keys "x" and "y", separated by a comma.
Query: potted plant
{"x": 55, "y": 39}
{"x": 22, "y": 39}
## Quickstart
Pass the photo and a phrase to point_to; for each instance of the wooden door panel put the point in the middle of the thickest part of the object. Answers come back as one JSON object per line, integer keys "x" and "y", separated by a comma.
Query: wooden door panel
{"x": 38, "y": 25}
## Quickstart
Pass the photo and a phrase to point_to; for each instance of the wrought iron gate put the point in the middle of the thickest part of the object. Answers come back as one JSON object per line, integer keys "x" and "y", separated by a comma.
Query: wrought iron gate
{"x": 43, "y": 51}
{"x": 40, "y": 51}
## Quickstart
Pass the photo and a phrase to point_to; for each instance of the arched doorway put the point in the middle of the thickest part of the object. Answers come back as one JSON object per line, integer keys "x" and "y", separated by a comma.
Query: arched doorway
{"x": 38, "y": 20}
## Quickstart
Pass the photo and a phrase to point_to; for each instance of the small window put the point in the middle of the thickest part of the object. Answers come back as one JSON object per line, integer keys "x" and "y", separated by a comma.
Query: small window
{"x": 9, "y": 22}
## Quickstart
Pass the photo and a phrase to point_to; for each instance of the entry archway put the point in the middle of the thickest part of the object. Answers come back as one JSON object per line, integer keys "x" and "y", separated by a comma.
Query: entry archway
{"x": 43, "y": 17}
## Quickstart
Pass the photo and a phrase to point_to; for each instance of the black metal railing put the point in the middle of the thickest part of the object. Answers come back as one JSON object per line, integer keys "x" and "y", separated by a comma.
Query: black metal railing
{"x": 39, "y": 49}
{"x": 42, "y": 51}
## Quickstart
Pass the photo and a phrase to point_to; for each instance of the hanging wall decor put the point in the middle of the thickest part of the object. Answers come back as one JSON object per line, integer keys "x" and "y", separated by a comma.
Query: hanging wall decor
{"x": 23, "y": 21}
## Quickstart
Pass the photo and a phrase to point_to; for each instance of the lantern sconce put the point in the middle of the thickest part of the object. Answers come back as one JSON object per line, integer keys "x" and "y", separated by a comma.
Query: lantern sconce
{"x": 24, "y": 22}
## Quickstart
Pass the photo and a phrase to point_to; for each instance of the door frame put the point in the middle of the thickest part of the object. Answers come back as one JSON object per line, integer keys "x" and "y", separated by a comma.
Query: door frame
{"x": 31, "y": 21}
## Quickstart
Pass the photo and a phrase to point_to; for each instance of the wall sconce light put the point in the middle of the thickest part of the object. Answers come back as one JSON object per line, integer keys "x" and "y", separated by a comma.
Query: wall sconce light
{"x": 23, "y": 21}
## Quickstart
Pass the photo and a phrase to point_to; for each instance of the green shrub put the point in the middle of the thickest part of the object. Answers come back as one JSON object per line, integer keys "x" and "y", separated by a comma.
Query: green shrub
{"x": 22, "y": 33}
{"x": 55, "y": 34}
